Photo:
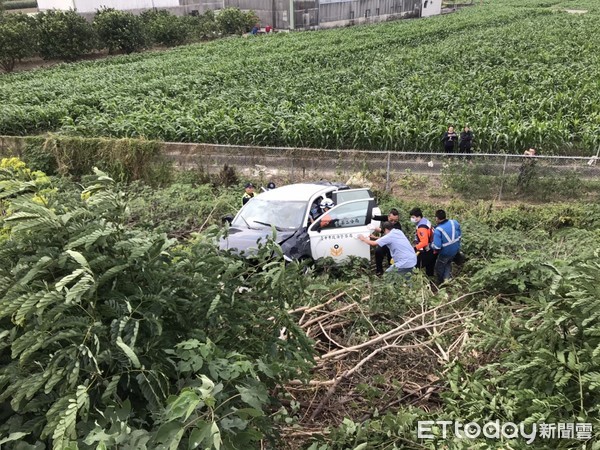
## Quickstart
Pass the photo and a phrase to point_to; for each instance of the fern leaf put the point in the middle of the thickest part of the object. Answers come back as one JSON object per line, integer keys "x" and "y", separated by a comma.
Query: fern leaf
{"x": 61, "y": 284}
{"x": 111, "y": 273}
{"x": 129, "y": 352}
{"x": 81, "y": 287}
{"x": 79, "y": 258}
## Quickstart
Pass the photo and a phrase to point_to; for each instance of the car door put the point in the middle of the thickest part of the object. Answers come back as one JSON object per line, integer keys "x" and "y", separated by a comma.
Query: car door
{"x": 335, "y": 233}
{"x": 346, "y": 195}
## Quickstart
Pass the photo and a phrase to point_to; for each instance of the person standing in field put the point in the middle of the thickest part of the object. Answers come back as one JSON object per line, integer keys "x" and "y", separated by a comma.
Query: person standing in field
{"x": 449, "y": 140}
{"x": 446, "y": 242}
{"x": 526, "y": 171}
{"x": 466, "y": 140}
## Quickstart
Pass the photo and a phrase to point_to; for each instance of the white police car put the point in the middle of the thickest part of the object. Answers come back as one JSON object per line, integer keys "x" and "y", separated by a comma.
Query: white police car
{"x": 288, "y": 210}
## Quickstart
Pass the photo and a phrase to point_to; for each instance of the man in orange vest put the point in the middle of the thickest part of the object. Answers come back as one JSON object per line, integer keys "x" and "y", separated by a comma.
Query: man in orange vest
{"x": 423, "y": 240}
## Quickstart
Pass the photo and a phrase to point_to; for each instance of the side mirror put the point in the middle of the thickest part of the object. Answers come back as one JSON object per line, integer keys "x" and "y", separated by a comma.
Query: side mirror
{"x": 228, "y": 218}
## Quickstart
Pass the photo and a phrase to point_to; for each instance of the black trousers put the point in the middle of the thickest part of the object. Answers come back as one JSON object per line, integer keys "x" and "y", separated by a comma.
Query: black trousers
{"x": 426, "y": 260}
{"x": 380, "y": 254}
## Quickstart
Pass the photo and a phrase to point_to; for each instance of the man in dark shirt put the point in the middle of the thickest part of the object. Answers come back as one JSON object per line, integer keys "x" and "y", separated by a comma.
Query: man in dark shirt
{"x": 382, "y": 252}
{"x": 466, "y": 140}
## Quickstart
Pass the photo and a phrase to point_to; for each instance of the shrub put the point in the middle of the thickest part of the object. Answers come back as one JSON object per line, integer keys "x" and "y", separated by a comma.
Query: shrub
{"x": 18, "y": 39}
{"x": 165, "y": 28}
{"x": 120, "y": 30}
{"x": 128, "y": 159}
{"x": 203, "y": 27}
{"x": 234, "y": 21}
{"x": 109, "y": 331}
{"x": 64, "y": 35}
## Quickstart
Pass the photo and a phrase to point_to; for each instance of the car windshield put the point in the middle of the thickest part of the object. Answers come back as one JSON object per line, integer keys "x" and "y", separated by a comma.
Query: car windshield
{"x": 260, "y": 213}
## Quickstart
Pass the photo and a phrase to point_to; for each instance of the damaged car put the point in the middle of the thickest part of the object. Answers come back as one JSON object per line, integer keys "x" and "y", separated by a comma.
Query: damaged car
{"x": 291, "y": 214}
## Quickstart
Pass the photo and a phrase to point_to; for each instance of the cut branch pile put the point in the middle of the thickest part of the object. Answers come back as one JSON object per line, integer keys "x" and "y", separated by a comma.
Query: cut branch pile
{"x": 363, "y": 366}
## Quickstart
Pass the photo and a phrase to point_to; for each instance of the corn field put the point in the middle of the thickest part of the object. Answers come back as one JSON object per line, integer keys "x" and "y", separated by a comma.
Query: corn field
{"x": 520, "y": 73}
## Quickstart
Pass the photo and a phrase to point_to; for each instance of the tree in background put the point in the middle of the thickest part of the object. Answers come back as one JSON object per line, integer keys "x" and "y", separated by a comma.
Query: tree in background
{"x": 234, "y": 21}
{"x": 165, "y": 28}
{"x": 18, "y": 39}
{"x": 64, "y": 35}
{"x": 120, "y": 30}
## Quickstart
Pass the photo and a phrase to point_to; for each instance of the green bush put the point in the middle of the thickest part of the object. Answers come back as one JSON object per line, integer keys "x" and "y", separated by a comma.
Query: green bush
{"x": 18, "y": 39}
{"x": 114, "y": 337}
{"x": 165, "y": 28}
{"x": 20, "y": 4}
{"x": 64, "y": 35}
{"x": 203, "y": 27}
{"x": 128, "y": 159}
{"x": 120, "y": 30}
{"x": 235, "y": 21}
{"x": 37, "y": 157}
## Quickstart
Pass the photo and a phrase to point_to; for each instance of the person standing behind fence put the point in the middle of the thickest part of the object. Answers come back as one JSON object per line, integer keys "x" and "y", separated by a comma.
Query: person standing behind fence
{"x": 446, "y": 242}
{"x": 466, "y": 140}
{"x": 526, "y": 171}
{"x": 449, "y": 140}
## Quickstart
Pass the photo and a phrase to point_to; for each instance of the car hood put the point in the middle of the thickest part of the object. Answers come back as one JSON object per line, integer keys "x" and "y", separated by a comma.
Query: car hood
{"x": 245, "y": 239}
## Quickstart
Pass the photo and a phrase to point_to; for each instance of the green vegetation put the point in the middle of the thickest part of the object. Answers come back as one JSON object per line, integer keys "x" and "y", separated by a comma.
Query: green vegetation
{"x": 120, "y": 30}
{"x": 18, "y": 39}
{"x": 64, "y": 35}
{"x": 520, "y": 73}
{"x": 71, "y": 38}
{"x": 114, "y": 334}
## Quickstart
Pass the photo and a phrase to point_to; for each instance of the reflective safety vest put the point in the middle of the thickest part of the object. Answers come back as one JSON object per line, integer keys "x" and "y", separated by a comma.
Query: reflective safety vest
{"x": 423, "y": 235}
{"x": 446, "y": 238}
{"x": 246, "y": 197}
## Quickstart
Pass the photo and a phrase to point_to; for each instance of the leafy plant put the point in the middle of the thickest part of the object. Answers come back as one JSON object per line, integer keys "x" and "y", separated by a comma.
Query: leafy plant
{"x": 384, "y": 87}
{"x": 111, "y": 335}
{"x": 165, "y": 28}
{"x": 120, "y": 30}
{"x": 64, "y": 35}
{"x": 203, "y": 26}
{"x": 18, "y": 39}
{"x": 235, "y": 21}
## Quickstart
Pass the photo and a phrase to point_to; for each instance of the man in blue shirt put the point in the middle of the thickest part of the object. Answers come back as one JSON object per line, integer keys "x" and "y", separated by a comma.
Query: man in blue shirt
{"x": 402, "y": 252}
{"x": 446, "y": 242}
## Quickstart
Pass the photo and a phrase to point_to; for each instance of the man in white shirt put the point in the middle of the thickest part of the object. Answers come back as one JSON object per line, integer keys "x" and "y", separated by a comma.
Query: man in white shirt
{"x": 402, "y": 251}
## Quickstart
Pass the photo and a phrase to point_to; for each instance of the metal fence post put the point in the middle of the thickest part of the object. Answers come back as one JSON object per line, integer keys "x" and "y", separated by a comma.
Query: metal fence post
{"x": 387, "y": 174}
{"x": 502, "y": 180}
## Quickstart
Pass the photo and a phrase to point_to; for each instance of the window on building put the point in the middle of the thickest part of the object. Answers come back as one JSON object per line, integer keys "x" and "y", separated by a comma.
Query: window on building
{"x": 367, "y": 13}
{"x": 376, "y": 11}
{"x": 351, "y": 15}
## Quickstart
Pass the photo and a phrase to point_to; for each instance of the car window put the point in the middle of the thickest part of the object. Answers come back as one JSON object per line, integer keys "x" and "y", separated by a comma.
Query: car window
{"x": 260, "y": 213}
{"x": 345, "y": 216}
{"x": 352, "y": 194}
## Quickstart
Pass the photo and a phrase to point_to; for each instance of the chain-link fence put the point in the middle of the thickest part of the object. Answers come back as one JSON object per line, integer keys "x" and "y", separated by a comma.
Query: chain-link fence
{"x": 484, "y": 175}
